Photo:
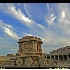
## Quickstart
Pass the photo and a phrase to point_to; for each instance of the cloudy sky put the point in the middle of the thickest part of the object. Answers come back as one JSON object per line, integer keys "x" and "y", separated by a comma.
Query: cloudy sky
{"x": 49, "y": 21}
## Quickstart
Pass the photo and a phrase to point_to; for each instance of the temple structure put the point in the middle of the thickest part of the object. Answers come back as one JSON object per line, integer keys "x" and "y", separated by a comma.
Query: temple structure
{"x": 29, "y": 54}
{"x": 30, "y": 44}
{"x": 61, "y": 53}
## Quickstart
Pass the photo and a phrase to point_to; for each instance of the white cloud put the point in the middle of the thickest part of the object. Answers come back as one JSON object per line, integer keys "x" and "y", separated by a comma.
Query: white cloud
{"x": 27, "y": 34}
{"x": 64, "y": 18}
{"x": 61, "y": 30}
{"x": 49, "y": 9}
{"x": 8, "y": 45}
{"x": 52, "y": 15}
{"x": 50, "y": 19}
{"x": 41, "y": 26}
{"x": 34, "y": 11}
{"x": 25, "y": 20}
{"x": 26, "y": 9}
{"x": 17, "y": 13}
{"x": 13, "y": 49}
{"x": 47, "y": 40}
{"x": 58, "y": 34}
{"x": 20, "y": 16}
{"x": 63, "y": 14}
{"x": 48, "y": 6}
{"x": 46, "y": 49}
{"x": 8, "y": 29}
{"x": 53, "y": 19}
{"x": 51, "y": 37}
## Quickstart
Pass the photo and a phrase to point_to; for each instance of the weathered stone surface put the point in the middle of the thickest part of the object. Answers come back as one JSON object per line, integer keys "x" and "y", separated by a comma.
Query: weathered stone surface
{"x": 41, "y": 62}
{"x": 62, "y": 53}
{"x": 28, "y": 44}
{"x": 28, "y": 61}
{"x": 19, "y": 62}
{"x": 35, "y": 64}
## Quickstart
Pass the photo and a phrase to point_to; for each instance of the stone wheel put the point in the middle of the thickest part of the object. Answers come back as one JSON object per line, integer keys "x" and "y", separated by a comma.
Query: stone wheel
{"x": 28, "y": 61}
{"x": 19, "y": 62}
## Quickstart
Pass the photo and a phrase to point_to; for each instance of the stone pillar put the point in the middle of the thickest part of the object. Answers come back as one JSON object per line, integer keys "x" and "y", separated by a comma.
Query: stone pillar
{"x": 67, "y": 57}
{"x": 39, "y": 47}
{"x": 36, "y": 45}
{"x": 50, "y": 56}
{"x": 63, "y": 57}
{"x": 27, "y": 45}
{"x": 54, "y": 57}
{"x": 58, "y": 57}
{"x": 33, "y": 44}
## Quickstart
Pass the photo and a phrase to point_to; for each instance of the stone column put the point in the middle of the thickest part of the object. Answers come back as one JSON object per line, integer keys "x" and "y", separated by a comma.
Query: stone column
{"x": 36, "y": 46}
{"x": 28, "y": 44}
{"x": 50, "y": 56}
{"x": 33, "y": 45}
{"x": 67, "y": 57}
{"x": 39, "y": 47}
{"x": 54, "y": 57}
{"x": 63, "y": 57}
{"x": 58, "y": 57}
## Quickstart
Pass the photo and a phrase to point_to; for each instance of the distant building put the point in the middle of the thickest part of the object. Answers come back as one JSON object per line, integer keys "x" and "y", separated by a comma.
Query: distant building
{"x": 61, "y": 53}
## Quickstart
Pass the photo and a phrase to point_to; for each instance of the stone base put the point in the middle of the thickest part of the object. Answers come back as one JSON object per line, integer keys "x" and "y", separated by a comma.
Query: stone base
{"x": 26, "y": 61}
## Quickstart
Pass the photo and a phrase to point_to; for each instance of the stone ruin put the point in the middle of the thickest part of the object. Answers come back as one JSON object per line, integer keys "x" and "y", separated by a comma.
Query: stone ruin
{"x": 29, "y": 54}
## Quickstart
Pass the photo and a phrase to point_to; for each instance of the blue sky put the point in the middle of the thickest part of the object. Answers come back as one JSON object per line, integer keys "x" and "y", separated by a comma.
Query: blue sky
{"x": 49, "y": 21}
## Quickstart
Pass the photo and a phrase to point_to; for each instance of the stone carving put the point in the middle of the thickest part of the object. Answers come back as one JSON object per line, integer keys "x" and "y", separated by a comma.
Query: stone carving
{"x": 35, "y": 63}
{"x": 35, "y": 58}
{"x": 28, "y": 61}
{"x": 19, "y": 62}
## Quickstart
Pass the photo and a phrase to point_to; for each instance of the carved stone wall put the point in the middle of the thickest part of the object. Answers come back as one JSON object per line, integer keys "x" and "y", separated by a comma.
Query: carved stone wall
{"x": 29, "y": 43}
